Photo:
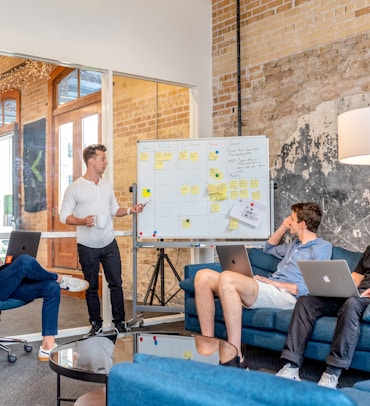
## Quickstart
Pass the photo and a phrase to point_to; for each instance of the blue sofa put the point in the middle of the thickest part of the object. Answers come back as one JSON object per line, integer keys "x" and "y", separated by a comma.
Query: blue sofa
{"x": 267, "y": 328}
{"x": 159, "y": 381}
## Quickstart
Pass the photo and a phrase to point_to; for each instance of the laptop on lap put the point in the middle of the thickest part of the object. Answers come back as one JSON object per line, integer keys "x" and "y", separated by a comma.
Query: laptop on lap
{"x": 234, "y": 258}
{"x": 330, "y": 278}
{"x": 21, "y": 242}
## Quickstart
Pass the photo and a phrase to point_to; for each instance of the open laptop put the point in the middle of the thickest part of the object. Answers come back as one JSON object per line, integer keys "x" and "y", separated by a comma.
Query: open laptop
{"x": 330, "y": 278}
{"x": 234, "y": 258}
{"x": 21, "y": 242}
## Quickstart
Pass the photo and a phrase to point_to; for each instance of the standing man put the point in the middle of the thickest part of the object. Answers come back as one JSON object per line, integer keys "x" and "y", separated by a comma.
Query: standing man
{"x": 347, "y": 331}
{"x": 89, "y": 203}
{"x": 280, "y": 290}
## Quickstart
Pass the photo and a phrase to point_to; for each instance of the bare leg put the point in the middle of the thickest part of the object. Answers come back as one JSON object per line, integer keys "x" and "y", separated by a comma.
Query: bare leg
{"x": 206, "y": 287}
{"x": 236, "y": 290}
{"x": 48, "y": 342}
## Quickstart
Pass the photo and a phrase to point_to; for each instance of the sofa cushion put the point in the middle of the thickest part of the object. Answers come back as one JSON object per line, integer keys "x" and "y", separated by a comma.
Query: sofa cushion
{"x": 351, "y": 257}
{"x": 261, "y": 262}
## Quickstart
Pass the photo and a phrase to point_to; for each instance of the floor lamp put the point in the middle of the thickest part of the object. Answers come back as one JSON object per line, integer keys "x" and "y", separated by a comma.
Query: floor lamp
{"x": 354, "y": 137}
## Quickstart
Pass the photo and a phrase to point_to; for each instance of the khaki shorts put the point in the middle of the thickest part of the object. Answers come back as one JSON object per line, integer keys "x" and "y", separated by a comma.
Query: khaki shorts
{"x": 270, "y": 296}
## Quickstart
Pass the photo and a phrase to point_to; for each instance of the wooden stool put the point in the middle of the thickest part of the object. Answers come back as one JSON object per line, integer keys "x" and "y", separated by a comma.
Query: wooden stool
{"x": 94, "y": 398}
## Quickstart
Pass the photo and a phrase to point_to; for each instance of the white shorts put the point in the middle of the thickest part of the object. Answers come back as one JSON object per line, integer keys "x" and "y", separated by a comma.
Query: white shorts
{"x": 270, "y": 296}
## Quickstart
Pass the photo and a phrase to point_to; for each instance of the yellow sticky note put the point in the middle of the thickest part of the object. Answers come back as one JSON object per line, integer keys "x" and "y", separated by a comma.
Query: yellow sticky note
{"x": 184, "y": 190}
{"x": 145, "y": 192}
{"x": 215, "y": 208}
{"x": 144, "y": 156}
{"x": 233, "y": 223}
{"x": 213, "y": 156}
{"x": 158, "y": 156}
{"x": 194, "y": 156}
{"x": 186, "y": 223}
{"x": 188, "y": 354}
{"x": 243, "y": 184}
{"x": 211, "y": 188}
{"x": 158, "y": 165}
{"x": 167, "y": 156}
{"x": 233, "y": 184}
{"x": 256, "y": 195}
{"x": 243, "y": 193}
{"x": 183, "y": 156}
{"x": 234, "y": 194}
{"x": 254, "y": 183}
{"x": 195, "y": 190}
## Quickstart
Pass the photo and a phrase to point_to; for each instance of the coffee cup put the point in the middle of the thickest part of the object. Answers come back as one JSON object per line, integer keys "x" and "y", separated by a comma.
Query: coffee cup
{"x": 100, "y": 220}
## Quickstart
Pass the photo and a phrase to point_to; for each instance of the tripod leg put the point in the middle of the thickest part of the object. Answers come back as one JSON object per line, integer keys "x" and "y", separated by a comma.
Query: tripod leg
{"x": 153, "y": 282}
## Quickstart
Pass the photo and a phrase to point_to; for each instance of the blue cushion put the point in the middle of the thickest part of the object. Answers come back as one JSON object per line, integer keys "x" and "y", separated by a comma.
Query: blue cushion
{"x": 352, "y": 257}
{"x": 12, "y": 303}
{"x": 263, "y": 261}
{"x": 188, "y": 285}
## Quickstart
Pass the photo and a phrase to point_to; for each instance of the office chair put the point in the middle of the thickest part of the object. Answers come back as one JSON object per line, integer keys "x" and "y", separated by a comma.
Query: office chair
{"x": 7, "y": 305}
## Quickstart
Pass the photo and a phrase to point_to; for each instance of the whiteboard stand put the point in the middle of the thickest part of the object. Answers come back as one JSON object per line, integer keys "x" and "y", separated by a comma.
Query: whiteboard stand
{"x": 159, "y": 271}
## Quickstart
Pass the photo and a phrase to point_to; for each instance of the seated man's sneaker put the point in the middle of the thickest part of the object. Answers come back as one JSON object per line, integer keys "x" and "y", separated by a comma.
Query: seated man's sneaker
{"x": 45, "y": 354}
{"x": 120, "y": 327}
{"x": 328, "y": 380}
{"x": 96, "y": 329}
{"x": 73, "y": 284}
{"x": 289, "y": 372}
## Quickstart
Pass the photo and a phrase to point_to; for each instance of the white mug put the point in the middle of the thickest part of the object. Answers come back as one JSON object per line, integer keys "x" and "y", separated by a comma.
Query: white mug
{"x": 100, "y": 220}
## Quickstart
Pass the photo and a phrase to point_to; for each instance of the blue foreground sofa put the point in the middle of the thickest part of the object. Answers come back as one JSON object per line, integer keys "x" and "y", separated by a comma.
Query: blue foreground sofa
{"x": 159, "y": 381}
{"x": 267, "y": 328}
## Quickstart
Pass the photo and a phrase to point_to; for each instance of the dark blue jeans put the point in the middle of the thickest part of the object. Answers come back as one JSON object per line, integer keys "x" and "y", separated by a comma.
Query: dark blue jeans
{"x": 90, "y": 260}
{"x": 26, "y": 279}
{"x": 347, "y": 332}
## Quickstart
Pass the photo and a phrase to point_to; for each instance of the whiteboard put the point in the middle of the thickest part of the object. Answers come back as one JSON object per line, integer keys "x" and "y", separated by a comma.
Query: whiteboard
{"x": 204, "y": 188}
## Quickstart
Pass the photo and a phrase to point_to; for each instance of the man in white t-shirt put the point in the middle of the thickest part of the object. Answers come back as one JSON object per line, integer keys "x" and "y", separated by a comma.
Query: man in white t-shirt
{"x": 89, "y": 203}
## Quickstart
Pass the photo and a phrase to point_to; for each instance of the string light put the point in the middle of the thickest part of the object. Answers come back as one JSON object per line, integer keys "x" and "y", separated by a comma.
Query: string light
{"x": 20, "y": 76}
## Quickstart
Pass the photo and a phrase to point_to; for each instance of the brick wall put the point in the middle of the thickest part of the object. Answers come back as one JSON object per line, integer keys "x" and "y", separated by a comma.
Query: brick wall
{"x": 273, "y": 32}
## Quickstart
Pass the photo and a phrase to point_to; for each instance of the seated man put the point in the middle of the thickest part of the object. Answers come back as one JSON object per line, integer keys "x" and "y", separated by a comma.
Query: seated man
{"x": 26, "y": 280}
{"x": 347, "y": 332}
{"x": 280, "y": 290}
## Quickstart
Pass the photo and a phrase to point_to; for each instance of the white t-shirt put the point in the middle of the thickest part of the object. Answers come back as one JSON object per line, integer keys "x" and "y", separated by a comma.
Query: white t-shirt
{"x": 84, "y": 198}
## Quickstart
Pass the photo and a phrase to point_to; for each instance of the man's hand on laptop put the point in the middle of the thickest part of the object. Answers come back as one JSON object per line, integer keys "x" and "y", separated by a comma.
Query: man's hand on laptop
{"x": 365, "y": 293}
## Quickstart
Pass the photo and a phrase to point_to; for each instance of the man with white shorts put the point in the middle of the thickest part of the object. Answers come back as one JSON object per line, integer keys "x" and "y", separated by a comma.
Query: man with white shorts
{"x": 280, "y": 290}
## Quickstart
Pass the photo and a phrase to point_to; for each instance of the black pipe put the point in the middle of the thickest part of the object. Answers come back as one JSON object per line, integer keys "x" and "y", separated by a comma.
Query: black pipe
{"x": 238, "y": 67}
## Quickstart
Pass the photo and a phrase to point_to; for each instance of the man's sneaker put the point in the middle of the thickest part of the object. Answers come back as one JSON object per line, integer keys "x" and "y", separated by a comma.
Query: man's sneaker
{"x": 328, "y": 380}
{"x": 120, "y": 327}
{"x": 96, "y": 328}
{"x": 289, "y": 372}
{"x": 45, "y": 354}
{"x": 73, "y": 284}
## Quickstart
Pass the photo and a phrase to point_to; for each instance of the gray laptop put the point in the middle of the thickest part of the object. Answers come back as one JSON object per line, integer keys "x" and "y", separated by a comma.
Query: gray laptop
{"x": 21, "y": 242}
{"x": 234, "y": 258}
{"x": 330, "y": 278}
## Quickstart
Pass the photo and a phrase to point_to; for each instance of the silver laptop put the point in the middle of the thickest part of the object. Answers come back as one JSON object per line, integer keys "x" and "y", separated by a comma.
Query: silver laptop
{"x": 330, "y": 278}
{"x": 234, "y": 258}
{"x": 21, "y": 242}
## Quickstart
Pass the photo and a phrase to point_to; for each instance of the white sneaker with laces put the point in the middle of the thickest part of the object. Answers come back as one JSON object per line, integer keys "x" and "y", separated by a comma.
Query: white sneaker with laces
{"x": 45, "y": 354}
{"x": 289, "y": 372}
{"x": 328, "y": 380}
{"x": 73, "y": 284}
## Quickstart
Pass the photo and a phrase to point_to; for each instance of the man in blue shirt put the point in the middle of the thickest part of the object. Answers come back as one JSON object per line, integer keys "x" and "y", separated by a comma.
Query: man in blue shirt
{"x": 281, "y": 290}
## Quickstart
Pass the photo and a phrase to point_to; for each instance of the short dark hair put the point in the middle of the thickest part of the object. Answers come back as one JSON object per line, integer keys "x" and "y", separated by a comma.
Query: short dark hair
{"x": 310, "y": 213}
{"x": 90, "y": 151}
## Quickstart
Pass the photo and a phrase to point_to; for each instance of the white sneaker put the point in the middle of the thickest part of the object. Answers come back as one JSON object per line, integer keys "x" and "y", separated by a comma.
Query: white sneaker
{"x": 45, "y": 354}
{"x": 289, "y": 372}
{"x": 328, "y": 380}
{"x": 73, "y": 284}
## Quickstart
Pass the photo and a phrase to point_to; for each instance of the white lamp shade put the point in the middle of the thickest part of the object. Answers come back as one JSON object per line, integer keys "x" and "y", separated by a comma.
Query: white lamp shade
{"x": 354, "y": 137}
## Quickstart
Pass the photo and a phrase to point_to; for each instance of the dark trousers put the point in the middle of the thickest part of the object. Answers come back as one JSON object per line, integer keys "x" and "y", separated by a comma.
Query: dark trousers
{"x": 90, "y": 260}
{"x": 347, "y": 332}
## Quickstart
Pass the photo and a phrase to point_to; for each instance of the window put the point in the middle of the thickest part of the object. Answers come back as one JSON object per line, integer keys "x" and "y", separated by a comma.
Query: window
{"x": 77, "y": 84}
